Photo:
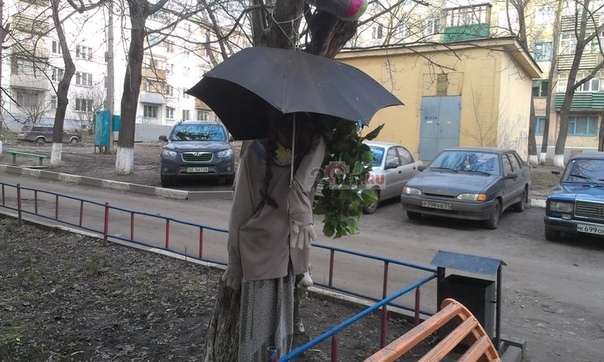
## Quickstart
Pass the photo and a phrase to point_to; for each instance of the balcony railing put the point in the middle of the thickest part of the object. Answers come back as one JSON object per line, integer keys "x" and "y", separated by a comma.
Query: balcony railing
{"x": 582, "y": 101}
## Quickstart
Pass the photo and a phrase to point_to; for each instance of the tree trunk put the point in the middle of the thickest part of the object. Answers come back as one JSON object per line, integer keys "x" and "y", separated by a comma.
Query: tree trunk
{"x": 62, "y": 91}
{"x": 570, "y": 89}
{"x": 223, "y": 331}
{"x": 551, "y": 95}
{"x": 532, "y": 144}
{"x": 124, "y": 162}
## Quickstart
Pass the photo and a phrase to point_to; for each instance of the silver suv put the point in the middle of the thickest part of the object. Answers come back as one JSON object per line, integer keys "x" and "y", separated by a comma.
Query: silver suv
{"x": 197, "y": 149}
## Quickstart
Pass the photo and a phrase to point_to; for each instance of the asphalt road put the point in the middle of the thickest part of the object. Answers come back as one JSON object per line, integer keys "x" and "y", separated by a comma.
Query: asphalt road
{"x": 552, "y": 292}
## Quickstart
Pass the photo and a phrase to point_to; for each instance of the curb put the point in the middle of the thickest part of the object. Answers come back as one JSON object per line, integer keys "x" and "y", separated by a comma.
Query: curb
{"x": 115, "y": 185}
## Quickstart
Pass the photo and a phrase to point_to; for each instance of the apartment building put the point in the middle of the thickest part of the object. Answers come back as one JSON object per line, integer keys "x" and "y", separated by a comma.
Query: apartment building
{"x": 32, "y": 66}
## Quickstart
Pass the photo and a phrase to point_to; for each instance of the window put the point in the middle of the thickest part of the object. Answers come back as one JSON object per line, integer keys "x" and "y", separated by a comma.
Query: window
{"x": 83, "y": 105}
{"x": 377, "y": 32}
{"x": 56, "y": 47}
{"x": 403, "y": 31}
{"x": 592, "y": 85}
{"x": 26, "y": 67}
{"x": 542, "y": 51}
{"x": 53, "y": 102}
{"x": 568, "y": 43}
{"x": 169, "y": 46}
{"x": 170, "y": 68}
{"x": 202, "y": 115}
{"x": 507, "y": 166}
{"x": 544, "y": 15}
{"x": 169, "y": 90}
{"x": 28, "y": 99}
{"x": 83, "y": 52}
{"x": 405, "y": 155}
{"x": 185, "y": 114}
{"x": 84, "y": 79}
{"x": 169, "y": 113}
{"x": 432, "y": 26}
{"x": 150, "y": 111}
{"x": 57, "y": 74}
{"x": 184, "y": 94}
{"x": 540, "y": 125}
{"x": 540, "y": 88}
{"x": 186, "y": 71}
{"x": 583, "y": 126}
{"x": 467, "y": 15}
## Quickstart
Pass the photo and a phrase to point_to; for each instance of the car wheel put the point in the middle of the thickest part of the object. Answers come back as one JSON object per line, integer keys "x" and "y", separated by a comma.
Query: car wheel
{"x": 40, "y": 140}
{"x": 520, "y": 205}
{"x": 493, "y": 220}
{"x": 229, "y": 180}
{"x": 414, "y": 215}
{"x": 370, "y": 209}
{"x": 167, "y": 181}
{"x": 552, "y": 235}
{"x": 74, "y": 141}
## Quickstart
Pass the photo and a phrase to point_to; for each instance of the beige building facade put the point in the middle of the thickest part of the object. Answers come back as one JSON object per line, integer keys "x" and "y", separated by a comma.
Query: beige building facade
{"x": 474, "y": 93}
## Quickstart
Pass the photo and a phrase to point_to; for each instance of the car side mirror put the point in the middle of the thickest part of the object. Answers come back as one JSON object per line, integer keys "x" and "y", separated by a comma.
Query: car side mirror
{"x": 390, "y": 165}
{"x": 511, "y": 176}
{"x": 420, "y": 168}
{"x": 163, "y": 138}
{"x": 231, "y": 139}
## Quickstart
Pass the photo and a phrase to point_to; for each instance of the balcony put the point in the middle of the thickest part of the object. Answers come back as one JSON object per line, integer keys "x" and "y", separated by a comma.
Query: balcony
{"x": 466, "y": 32}
{"x": 582, "y": 101}
{"x": 30, "y": 25}
{"x": 29, "y": 82}
{"x": 149, "y": 73}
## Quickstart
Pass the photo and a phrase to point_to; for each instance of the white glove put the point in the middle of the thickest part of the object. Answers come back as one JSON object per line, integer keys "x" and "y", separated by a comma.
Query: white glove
{"x": 232, "y": 278}
{"x": 306, "y": 280}
{"x": 302, "y": 236}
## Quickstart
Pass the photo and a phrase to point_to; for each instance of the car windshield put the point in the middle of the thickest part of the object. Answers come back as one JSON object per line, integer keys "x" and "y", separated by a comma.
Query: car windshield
{"x": 378, "y": 155}
{"x": 198, "y": 132}
{"x": 583, "y": 170}
{"x": 469, "y": 161}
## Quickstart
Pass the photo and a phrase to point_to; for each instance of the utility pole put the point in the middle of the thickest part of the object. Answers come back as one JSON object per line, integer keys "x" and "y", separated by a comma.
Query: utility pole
{"x": 110, "y": 78}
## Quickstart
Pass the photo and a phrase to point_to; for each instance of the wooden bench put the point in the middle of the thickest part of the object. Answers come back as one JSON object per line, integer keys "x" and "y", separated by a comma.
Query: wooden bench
{"x": 26, "y": 154}
{"x": 480, "y": 348}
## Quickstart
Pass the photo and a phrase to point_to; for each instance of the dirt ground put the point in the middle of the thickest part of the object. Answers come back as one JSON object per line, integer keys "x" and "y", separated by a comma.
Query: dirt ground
{"x": 66, "y": 297}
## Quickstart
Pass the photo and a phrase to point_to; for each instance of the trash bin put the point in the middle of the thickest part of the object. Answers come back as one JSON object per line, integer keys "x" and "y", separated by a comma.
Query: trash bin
{"x": 482, "y": 297}
{"x": 478, "y": 295}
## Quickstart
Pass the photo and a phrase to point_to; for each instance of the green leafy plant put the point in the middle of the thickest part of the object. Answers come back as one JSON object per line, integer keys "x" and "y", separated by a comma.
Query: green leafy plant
{"x": 345, "y": 170}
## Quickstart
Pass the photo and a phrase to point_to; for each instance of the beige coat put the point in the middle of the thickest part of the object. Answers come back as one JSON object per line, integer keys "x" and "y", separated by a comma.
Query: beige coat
{"x": 258, "y": 243}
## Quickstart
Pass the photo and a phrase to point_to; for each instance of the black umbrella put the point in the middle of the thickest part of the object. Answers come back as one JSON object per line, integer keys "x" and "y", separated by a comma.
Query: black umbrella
{"x": 291, "y": 81}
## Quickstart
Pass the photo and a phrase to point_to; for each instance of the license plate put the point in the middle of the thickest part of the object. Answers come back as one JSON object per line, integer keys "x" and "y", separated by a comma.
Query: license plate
{"x": 197, "y": 169}
{"x": 590, "y": 229}
{"x": 436, "y": 205}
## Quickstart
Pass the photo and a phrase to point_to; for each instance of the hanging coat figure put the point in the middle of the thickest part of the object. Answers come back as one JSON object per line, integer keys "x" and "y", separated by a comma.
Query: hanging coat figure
{"x": 270, "y": 231}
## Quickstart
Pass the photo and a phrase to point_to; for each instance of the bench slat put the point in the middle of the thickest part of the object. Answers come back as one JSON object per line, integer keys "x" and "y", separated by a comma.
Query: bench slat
{"x": 448, "y": 343}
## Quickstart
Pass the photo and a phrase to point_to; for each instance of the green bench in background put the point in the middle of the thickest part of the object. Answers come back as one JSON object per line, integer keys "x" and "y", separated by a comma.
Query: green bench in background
{"x": 25, "y": 154}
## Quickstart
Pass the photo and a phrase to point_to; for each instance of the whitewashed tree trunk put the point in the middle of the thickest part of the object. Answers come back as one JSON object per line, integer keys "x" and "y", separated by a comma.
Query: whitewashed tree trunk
{"x": 542, "y": 158}
{"x": 55, "y": 154}
{"x": 124, "y": 161}
{"x": 532, "y": 160}
{"x": 559, "y": 161}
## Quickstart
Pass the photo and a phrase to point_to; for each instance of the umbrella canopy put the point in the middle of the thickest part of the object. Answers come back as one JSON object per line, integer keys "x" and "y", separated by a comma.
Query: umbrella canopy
{"x": 291, "y": 81}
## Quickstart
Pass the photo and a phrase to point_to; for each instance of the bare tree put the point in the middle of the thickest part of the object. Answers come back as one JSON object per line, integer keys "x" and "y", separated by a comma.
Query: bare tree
{"x": 586, "y": 33}
{"x": 139, "y": 11}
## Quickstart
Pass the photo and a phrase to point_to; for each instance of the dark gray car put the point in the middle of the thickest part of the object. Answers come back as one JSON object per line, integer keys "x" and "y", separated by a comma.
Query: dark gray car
{"x": 469, "y": 183}
{"x": 197, "y": 149}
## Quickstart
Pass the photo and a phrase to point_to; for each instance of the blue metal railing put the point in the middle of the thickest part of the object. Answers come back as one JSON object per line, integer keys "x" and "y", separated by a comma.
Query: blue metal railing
{"x": 87, "y": 205}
